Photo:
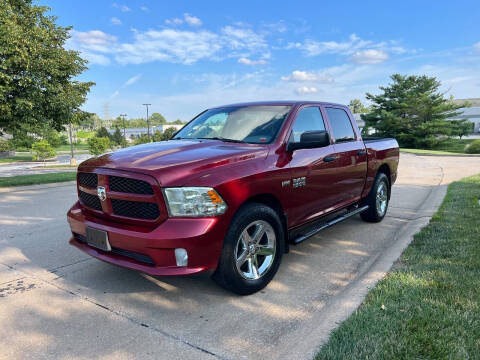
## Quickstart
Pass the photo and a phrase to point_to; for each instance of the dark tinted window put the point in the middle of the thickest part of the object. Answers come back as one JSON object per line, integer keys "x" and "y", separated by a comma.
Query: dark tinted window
{"x": 308, "y": 119}
{"x": 341, "y": 126}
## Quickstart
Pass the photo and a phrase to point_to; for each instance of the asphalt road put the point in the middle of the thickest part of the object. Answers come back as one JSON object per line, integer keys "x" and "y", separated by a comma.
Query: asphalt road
{"x": 56, "y": 302}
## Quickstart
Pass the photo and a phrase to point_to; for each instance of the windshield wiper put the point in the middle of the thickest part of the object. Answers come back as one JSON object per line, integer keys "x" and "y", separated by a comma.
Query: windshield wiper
{"x": 221, "y": 139}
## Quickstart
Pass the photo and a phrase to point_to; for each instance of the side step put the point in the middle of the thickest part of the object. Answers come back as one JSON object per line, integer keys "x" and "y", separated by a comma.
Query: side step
{"x": 323, "y": 226}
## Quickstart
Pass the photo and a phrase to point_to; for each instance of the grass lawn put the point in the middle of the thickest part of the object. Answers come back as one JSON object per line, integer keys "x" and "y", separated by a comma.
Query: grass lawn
{"x": 451, "y": 147}
{"x": 428, "y": 305}
{"x": 16, "y": 158}
{"x": 37, "y": 179}
{"x": 75, "y": 147}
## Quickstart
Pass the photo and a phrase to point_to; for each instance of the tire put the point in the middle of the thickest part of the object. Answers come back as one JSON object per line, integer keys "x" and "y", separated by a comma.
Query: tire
{"x": 377, "y": 209}
{"x": 252, "y": 250}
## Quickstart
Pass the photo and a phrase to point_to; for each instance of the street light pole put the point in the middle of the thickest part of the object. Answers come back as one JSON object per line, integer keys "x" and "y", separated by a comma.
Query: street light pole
{"x": 123, "y": 117}
{"x": 148, "y": 123}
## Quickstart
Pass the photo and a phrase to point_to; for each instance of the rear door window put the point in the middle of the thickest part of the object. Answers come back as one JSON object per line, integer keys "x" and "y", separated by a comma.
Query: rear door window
{"x": 341, "y": 126}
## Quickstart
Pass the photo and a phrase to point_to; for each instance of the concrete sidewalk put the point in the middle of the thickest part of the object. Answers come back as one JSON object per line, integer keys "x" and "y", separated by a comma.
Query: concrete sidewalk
{"x": 56, "y": 302}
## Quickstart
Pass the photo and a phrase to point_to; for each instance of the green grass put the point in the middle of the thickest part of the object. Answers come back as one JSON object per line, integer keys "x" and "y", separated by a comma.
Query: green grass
{"x": 450, "y": 147}
{"x": 75, "y": 147}
{"x": 16, "y": 158}
{"x": 37, "y": 179}
{"x": 431, "y": 297}
{"x": 427, "y": 152}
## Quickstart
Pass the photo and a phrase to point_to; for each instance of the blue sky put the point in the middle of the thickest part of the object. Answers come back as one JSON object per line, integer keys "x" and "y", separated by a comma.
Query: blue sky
{"x": 185, "y": 56}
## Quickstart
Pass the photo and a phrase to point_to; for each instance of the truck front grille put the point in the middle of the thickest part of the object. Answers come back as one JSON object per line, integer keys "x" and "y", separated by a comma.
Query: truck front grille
{"x": 135, "y": 209}
{"x": 129, "y": 185}
{"x": 88, "y": 179}
{"x": 126, "y": 197}
{"x": 90, "y": 200}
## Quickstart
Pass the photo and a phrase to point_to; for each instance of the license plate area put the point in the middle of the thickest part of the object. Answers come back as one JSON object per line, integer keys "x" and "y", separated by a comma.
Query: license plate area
{"x": 98, "y": 239}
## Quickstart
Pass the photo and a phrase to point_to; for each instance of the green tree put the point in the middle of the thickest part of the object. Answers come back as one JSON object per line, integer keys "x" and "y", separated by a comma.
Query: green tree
{"x": 53, "y": 138}
{"x": 357, "y": 107}
{"x": 460, "y": 127}
{"x": 142, "y": 139}
{"x": 103, "y": 132}
{"x": 473, "y": 147}
{"x": 412, "y": 110}
{"x": 42, "y": 150}
{"x": 98, "y": 145}
{"x": 168, "y": 133}
{"x": 117, "y": 137}
{"x": 157, "y": 119}
{"x": 37, "y": 74}
{"x": 178, "y": 122}
{"x": 5, "y": 146}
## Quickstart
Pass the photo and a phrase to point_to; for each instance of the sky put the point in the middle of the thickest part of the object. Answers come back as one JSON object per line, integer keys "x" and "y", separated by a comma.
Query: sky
{"x": 185, "y": 56}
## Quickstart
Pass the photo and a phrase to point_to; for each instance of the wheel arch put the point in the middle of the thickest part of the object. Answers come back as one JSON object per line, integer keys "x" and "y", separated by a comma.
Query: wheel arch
{"x": 385, "y": 169}
{"x": 273, "y": 202}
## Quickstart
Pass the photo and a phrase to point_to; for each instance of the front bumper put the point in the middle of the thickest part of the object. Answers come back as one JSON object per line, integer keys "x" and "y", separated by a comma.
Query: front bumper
{"x": 202, "y": 238}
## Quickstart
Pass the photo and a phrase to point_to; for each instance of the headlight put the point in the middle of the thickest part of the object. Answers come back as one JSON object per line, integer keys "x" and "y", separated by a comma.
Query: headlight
{"x": 194, "y": 201}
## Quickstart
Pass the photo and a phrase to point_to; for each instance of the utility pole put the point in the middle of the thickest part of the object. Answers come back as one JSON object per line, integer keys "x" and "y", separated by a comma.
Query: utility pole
{"x": 123, "y": 117}
{"x": 148, "y": 123}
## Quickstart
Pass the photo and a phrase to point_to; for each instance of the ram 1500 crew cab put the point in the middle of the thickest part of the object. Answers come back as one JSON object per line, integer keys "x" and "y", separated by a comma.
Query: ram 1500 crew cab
{"x": 231, "y": 191}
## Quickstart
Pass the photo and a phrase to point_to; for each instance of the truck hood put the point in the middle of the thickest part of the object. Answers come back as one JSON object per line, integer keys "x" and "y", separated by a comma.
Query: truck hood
{"x": 174, "y": 162}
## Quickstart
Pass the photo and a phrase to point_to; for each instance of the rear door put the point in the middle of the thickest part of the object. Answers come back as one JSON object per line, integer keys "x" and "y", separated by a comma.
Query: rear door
{"x": 311, "y": 193}
{"x": 351, "y": 156}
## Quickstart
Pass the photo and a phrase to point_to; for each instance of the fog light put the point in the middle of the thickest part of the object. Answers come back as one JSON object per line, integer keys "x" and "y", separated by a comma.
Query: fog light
{"x": 181, "y": 257}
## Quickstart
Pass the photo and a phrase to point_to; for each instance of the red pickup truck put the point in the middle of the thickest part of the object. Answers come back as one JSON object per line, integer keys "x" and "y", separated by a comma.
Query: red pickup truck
{"x": 231, "y": 191}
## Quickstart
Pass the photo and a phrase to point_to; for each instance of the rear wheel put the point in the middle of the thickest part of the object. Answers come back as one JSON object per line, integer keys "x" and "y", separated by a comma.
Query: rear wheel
{"x": 252, "y": 250}
{"x": 377, "y": 200}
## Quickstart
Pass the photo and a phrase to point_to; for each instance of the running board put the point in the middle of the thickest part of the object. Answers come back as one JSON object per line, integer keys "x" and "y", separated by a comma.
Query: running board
{"x": 336, "y": 220}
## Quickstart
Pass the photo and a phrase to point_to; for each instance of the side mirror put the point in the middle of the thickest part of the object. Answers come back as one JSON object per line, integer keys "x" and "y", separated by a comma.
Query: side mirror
{"x": 310, "y": 140}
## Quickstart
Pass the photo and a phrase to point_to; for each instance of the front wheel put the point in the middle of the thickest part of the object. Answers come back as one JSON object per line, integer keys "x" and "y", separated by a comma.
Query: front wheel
{"x": 252, "y": 250}
{"x": 377, "y": 200}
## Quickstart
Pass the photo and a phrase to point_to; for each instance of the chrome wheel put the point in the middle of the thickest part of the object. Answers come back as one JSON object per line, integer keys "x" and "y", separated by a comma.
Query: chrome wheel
{"x": 382, "y": 198}
{"x": 255, "y": 250}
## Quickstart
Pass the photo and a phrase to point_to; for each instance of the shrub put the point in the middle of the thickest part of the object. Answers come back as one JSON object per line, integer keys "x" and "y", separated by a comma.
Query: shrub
{"x": 98, "y": 145}
{"x": 473, "y": 147}
{"x": 143, "y": 139}
{"x": 103, "y": 132}
{"x": 4, "y": 146}
{"x": 42, "y": 150}
{"x": 53, "y": 138}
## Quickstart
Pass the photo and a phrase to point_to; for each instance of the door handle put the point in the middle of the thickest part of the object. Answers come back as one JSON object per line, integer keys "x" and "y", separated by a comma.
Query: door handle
{"x": 329, "y": 158}
{"x": 362, "y": 152}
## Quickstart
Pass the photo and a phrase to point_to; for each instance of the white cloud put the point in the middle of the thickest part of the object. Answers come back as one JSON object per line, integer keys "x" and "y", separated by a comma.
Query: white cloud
{"x": 305, "y": 76}
{"x": 370, "y": 56}
{"x": 174, "y": 21}
{"x": 123, "y": 8}
{"x": 192, "y": 20}
{"x": 132, "y": 80}
{"x": 360, "y": 51}
{"x": 144, "y": 8}
{"x": 116, "y": 21}
{"x": 115, "y": 94}
{"x": 176, "y": 46}
{"x": 477, "y": 46}
{"x": 306, "y": 90}
{"x": 247, "y": 61}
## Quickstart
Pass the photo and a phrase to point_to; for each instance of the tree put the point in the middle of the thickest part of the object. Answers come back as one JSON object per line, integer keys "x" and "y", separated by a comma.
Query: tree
{"x": 168, "y": 133}
{"x": 103, "y": 132}
{"x": 42, "y": 150}
{"x": 412, "y": 110}
{"x": 157, "y": 119}
{"x": 357, "y": 107}
{"x": 178, "y": 122}
{"x": 98, "y": 145}
{"x": 53, "y": 138}
{"x": 37, "y": 74}
{"x": 460, "y": 127}
{"x": 117, "y": 136}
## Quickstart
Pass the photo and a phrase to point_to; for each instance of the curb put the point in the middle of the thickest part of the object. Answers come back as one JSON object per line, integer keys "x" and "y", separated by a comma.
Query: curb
{"x": 441, "y": 155}
{"x": 36, "y": 187}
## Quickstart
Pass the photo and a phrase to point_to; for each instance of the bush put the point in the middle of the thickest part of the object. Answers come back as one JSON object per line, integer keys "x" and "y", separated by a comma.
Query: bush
{"x": 53, "y": 138}
{"x": 4, "y": 146}
{"x": 98, "y": 145}
{"x": 42, "y": 150}
{"x": 143, "y": 139}
{"x": 103, "y": 132}
{"x": 473, "y": 147}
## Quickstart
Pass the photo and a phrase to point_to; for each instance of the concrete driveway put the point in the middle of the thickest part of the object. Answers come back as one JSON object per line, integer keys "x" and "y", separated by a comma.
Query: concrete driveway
{"x": 56, "y": 302}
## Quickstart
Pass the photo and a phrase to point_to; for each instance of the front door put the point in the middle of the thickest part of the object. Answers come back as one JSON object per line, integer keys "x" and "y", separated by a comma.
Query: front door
{"x": 310, "y": 187}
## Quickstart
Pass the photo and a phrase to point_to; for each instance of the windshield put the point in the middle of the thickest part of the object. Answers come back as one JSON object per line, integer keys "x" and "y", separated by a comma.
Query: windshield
{"x": 251, "y": 124}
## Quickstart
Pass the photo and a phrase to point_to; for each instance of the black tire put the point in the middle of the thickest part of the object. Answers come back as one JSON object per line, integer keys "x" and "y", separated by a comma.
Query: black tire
{"x": 227, "y": 274}
{"x": 374, "y": 213}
